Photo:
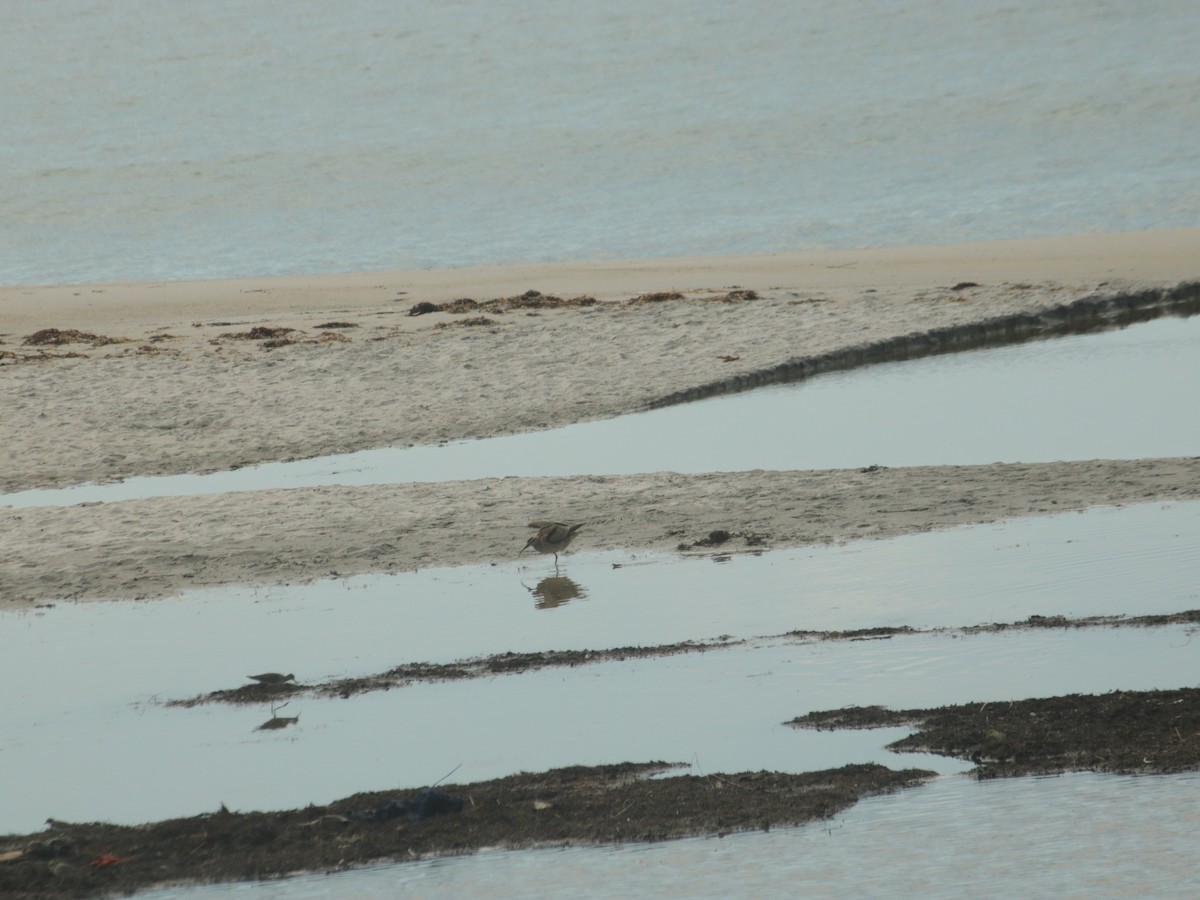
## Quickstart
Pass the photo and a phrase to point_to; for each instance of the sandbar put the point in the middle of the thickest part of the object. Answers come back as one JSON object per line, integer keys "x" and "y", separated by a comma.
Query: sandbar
{"x": 169, "y": 378}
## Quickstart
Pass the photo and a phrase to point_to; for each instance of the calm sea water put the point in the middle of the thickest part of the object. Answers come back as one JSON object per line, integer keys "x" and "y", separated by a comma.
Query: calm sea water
{"x": 146, "y": 140}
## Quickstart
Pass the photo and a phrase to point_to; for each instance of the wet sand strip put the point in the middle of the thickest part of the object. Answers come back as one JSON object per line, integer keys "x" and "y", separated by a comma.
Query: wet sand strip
{"x": 143, "y": 549}
{"x": 1098, "y": 312}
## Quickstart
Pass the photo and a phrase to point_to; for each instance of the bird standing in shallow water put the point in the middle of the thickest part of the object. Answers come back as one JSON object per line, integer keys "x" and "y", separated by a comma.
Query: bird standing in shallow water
{"x": 271, "y": 678}
{"x": 551, "y": 537}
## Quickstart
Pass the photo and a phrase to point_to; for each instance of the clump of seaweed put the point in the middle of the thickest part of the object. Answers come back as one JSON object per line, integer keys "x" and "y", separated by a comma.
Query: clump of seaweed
{"x": 732, "y": 296}
{"x": 474, "y": 320}
{"x": 528, "y": 300}
{"x": 54, "y": 337}
{"x": 258, "y": 333}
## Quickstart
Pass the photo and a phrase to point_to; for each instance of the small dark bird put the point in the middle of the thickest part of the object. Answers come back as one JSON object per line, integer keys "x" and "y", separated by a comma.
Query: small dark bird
{"x": 271, "y": 678}
{"x": 551, "y": 537}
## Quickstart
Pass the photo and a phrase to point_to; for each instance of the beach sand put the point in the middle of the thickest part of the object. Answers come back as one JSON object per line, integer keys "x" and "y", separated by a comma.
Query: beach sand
{"x": 162, "y": 379}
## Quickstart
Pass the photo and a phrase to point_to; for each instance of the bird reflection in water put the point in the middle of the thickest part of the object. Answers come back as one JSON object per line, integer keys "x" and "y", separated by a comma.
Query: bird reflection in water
{"x": 555, "y": 591}
{"x": 277, "y": 721}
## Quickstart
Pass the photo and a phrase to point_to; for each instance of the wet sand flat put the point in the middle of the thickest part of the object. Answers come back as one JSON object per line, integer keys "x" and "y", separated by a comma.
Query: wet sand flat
{"x": 142, "y": 549}
{"x": 109, "y": 381}
{"x": 127, "y": 380}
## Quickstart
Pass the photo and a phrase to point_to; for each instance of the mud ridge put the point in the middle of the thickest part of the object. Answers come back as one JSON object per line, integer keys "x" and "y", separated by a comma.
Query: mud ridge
{"x": 507, "y": 663}
{"x": 516, "y": 663}
{"x": 1034, "y": 622}
{"x": 1123, "y": 732}
{"x": 1097, "y": 312}
{"x": 574, "y": 806}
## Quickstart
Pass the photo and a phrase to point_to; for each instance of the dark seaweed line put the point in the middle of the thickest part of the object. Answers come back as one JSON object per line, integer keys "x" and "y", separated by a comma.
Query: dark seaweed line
{"x": 1097, "y": 312}
{"x": 1033, "y": 623}
{"x": 519, "y": 663}
{"x": 475, "y": 667}
{"x": 510, "y": 664}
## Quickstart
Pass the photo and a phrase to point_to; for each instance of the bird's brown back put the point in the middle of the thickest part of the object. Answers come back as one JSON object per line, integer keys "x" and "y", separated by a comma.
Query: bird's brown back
{"x": 551, "y": 536}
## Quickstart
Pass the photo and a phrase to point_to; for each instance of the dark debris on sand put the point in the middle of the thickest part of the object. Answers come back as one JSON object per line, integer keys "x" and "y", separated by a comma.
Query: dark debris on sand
{"x": 527, "y": 300}
{"x": 720, "y": 537}
{"x": 471, "y": 320}
{"x": 258, "y": 333}
{"x": 273, "y": 338}
{"x": 732, "y": 296}
{"x": 54, "y": 337}
{"x": 535, "y": 300}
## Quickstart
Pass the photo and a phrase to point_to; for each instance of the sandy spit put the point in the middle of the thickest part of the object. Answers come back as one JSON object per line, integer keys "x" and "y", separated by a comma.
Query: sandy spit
{"x": 159, "y": 547}
{"x": 179, "y": 392}
{"x": 172, "y": 378}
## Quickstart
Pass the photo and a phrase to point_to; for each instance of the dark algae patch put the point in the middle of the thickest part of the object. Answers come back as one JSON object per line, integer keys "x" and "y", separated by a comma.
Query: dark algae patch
{"x": 721, "y": 537}
{"x": 55, "y": 337}
{"x": 573, "y": 806}
{"x": 1125, "y": 732}
{"x": 515, "y": 663}
{"x": 536, "y": 300}
{"x": 528, "y": 300}
{"x": 1033, "y": 623}
{"x": 258, "y": 333}
{"x": 732, "y": 296}
{"x": 476, "y": 667}
{"x": 246, "y": 694}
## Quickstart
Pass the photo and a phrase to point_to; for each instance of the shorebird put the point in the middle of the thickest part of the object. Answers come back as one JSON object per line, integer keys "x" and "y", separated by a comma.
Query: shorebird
{"x": 271, "y": 678}
{"x": 551, "y": 537}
